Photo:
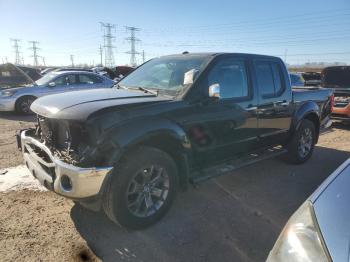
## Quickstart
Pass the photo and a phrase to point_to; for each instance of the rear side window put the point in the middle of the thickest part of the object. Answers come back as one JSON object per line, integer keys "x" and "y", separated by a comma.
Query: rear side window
{"x": 269, "y": 78}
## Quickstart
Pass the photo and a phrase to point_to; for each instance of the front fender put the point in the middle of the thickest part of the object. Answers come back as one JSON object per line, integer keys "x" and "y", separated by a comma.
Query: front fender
{"x": 131, "y": 133}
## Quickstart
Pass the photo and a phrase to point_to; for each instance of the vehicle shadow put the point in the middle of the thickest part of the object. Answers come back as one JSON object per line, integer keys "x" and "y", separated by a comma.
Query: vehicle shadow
{"x": 236, "y": 217}
{"x": 341, "y": 125}
{"x": 17, "y": 117}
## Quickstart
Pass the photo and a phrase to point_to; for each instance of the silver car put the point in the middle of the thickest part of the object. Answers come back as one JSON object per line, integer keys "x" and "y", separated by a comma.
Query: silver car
{"x": 20, "y": 98}
{"x": 320, "y": 229}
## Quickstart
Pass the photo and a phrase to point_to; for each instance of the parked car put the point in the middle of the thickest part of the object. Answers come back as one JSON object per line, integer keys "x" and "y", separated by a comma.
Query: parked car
{"x": 338, "y": 78}
{"x": 20, "y": 98}
{"x": 12, "y": 76}
{"x": 312, "y": 78}
{"x": 296, "y": 79}
{"x": 32, "y": 72}
{"x": 319, "y": 230}
{"x": 175, "y": 119}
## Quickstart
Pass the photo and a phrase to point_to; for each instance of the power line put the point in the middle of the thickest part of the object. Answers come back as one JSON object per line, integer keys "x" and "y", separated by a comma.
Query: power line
{"x": 17, "y": 48}
{"x": 35, "y": 49}
{"x": 132, "y": 39}
{"x": 108, "y": 38}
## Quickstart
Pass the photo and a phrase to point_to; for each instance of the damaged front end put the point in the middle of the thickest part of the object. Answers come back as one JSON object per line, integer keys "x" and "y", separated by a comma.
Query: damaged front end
{"x": 63, "y": 157}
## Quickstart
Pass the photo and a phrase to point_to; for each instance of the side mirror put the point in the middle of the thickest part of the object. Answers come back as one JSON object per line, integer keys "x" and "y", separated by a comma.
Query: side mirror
{"x": 214, "y": 90}
{"x": 52, "y": 84}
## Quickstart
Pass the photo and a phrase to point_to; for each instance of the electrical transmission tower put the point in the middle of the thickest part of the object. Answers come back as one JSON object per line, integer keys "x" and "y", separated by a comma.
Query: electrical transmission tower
{"x": 17, "y": 48}
{"x": 35, "y": 49}
{"x": 132, "y": 39}
{"x": 101, "y": 54}
{"x": 108, "y": 38}
{"x": 143, "y": 56}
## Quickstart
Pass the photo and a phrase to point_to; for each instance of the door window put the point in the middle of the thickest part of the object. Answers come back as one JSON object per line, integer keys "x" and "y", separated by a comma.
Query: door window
{"x": 269, "y": 78}
{"x": 89, "y": 79}
{"x": 231, "y": 75}
{"x": 65, "y": 80}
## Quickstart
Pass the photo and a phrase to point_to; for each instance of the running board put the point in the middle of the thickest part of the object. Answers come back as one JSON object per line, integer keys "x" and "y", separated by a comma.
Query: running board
{"x": 236, "y": 164}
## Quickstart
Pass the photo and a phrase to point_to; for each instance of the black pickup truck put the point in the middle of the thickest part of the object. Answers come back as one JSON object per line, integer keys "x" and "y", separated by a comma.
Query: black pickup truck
{"x": 175, "y": 119}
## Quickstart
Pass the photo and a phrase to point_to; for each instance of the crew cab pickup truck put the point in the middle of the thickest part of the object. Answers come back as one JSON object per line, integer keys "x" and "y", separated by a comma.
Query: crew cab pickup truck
{"x": 175, "y": 119}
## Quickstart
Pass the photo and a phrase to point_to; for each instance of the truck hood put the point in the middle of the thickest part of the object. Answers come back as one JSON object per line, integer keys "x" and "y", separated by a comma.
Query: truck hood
{"x": 79, "y": 105}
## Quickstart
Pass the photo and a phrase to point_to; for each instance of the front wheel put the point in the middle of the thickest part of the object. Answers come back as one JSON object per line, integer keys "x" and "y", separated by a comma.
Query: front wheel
{"x": 23, "y": 105}
{"x": 142, "y": 188}
{"x": 302, "y": 144}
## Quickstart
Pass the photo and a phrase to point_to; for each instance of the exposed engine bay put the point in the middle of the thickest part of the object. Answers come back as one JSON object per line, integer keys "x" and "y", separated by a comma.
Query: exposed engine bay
{"x": 67, "y": 140}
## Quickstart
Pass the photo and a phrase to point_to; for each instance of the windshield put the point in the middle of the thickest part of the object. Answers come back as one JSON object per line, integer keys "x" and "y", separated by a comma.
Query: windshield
{"x": 167, "y": 74}
{"x": 296, "y": 80}
{"x": 45, "y": 79}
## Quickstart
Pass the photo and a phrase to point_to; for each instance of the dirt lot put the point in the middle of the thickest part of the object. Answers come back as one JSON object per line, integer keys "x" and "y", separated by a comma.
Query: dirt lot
{"x": 233, "y": 218}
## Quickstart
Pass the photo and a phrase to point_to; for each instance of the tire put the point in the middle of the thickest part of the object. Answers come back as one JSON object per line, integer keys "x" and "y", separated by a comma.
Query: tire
{"x": 302, "y": 144}
{"x": 142, "y": 188}
{"x": 23, "y": 105}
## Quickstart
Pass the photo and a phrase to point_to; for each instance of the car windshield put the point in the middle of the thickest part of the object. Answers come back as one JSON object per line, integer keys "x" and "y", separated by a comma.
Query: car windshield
{"x": 296, "y": 80}
{"x": 45, "y": 79}
{"x": 169, "y": 75}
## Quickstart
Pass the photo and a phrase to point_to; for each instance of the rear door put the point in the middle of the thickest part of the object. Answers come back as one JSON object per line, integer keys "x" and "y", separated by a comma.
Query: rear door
{"x": 274, "y": 101}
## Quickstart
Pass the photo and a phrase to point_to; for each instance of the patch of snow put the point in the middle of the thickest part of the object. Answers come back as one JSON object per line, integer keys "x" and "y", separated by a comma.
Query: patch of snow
{"x": 18, "y": 178}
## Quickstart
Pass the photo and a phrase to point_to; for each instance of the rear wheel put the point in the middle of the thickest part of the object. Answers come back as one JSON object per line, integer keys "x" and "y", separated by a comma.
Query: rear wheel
{"x": 142, "y": 189}
{"x": 23, "y": 105}
{"x": 302, "y": 144}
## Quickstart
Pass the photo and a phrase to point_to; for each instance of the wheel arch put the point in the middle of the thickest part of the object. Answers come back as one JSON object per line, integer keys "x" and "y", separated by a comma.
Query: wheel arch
{"x": 310, "y": 111}
{"x": 161, "y": 134}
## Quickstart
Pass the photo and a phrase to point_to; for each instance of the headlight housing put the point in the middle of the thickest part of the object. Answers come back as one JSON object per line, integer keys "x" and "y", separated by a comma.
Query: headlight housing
{"x": 300, "y": 240}
{"x": 7, "y": 93}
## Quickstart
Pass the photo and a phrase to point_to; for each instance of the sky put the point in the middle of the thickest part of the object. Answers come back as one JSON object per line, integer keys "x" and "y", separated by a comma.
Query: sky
{"x": 297, "y": 31}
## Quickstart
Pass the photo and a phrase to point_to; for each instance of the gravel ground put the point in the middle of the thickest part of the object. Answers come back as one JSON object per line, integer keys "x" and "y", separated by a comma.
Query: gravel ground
{"x": 236, "y": 217}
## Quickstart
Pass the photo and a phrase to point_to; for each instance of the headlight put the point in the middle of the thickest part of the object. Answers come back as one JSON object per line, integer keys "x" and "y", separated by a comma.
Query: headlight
{"x": 300, "y": 240}
{"x": 7, "y": 93}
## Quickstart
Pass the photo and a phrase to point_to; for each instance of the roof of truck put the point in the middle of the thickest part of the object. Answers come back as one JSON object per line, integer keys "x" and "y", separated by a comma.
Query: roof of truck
{"x": 220, "y": 53}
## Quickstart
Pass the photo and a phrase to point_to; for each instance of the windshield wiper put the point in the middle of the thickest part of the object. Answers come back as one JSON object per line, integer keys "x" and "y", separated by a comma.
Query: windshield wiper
{"x": 148, "y": 90}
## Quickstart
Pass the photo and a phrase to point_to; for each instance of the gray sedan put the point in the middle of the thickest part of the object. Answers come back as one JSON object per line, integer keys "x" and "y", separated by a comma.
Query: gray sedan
{"x": 320, "y": 229}
{"x": 20, "y": 98}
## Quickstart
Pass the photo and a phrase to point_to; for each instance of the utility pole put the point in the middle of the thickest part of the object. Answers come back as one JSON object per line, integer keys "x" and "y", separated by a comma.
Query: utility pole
{"x": 132, "y": 39}
{"x": 43, "y": 61}
{"x": 72, "y": 60}
{"x": 16, "y": 48}
{"x": 108, "y": 38}
{"x": 101, "y": 54}
{"x": 35, "y": 49}
{"x": 143, "y": 56}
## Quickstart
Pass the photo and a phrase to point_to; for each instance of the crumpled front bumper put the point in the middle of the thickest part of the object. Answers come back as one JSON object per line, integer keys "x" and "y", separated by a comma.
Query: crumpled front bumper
{"x": 64, "y": 179}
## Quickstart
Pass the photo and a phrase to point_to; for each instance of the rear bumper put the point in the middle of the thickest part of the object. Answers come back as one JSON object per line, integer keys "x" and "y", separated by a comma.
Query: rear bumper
{"x": 64, "y": 179}
{"x": 341, "y": 113}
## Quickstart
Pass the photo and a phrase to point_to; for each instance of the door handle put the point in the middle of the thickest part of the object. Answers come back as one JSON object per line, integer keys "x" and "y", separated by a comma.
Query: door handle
{"x": 251, "y": 108}
{"x": 281, "y": 103}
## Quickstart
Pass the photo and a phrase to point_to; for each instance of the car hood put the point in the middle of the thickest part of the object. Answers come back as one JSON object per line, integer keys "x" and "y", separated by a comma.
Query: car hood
{"x": 79, "y": 105}
{"x": 331, "y": 201}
